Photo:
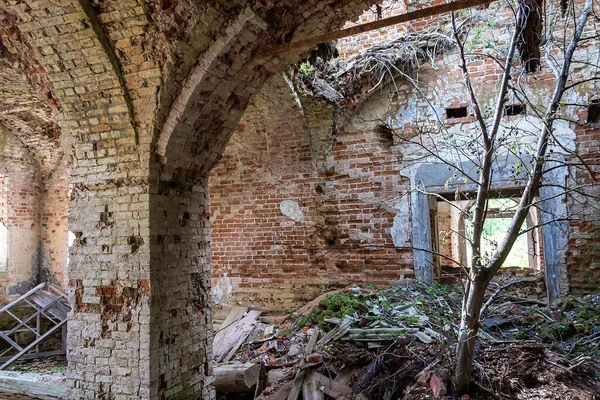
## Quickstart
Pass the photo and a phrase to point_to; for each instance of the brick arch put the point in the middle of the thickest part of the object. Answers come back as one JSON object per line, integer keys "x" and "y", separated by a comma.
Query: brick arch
{"x": 219, "y": 87}
{"x": 117, "y": 73}
{"x": 66, "y": 53}
{"x": 24, "y": 107}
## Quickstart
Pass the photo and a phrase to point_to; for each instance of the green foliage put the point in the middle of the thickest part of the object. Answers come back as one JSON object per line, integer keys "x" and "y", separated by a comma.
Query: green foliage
{"x": 57, "y": 370}
{"x": 494, "y": 230}
{"x": 393, "y": 307}
{"x": 306, "y": 69}
{"x": 341, "y": 304}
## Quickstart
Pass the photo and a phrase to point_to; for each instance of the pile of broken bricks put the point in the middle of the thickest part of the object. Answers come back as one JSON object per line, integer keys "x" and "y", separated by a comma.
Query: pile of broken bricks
{"x": 286, "y": 361}
{"x": 399, "y": 342}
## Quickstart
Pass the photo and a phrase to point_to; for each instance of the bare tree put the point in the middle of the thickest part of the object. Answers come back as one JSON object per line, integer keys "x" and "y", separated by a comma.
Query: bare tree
{"x": 536, "y": 25}
{"x": 483, "y": 269}
{"x": 490, "y": 141}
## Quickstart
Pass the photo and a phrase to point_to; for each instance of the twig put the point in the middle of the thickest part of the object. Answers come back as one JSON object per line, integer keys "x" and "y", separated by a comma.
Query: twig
{"x": 501, "y": 288}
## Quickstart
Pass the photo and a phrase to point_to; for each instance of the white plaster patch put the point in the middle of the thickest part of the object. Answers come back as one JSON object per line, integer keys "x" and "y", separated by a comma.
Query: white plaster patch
{"x": 222, "y": 290}
{"x": 528, "y": 130}
{"x": 291, "y": 209}
{"x": 400, "y": 229}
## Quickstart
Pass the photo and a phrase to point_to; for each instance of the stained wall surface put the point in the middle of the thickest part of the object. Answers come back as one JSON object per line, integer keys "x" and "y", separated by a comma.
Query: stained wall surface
{"x": 20, "y": 213}
{"x": 142, "y": 97}
{"x": 146, "y": 95}
{"x": 351, "y": 183}
{"x": 340, "y": 233}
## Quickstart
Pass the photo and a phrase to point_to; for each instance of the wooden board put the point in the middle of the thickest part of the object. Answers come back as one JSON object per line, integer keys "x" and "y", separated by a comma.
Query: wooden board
{"x": 311, "y": 391}
{"x": 282, "y": 393}
{"x": 236, "y": 378}
{"x": 229, "y": 340}
{"x": 348, "y": 374}
{"x": 234, "y": 315}
{"x": 330, "y": 387}
{"x": 299, "y": 379}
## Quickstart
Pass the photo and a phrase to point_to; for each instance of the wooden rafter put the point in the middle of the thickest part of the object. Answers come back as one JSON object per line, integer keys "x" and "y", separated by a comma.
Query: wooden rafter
{"x": 355, "y": 30}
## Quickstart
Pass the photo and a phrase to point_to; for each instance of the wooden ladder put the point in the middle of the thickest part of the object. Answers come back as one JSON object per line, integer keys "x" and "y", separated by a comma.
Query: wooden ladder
{"x": 43, "y": 310}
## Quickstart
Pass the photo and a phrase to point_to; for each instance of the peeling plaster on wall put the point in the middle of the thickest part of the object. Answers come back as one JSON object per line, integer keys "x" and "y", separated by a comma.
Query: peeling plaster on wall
{"x": 268, "y": 260}
{"x": 19, "y": 288}
{"x": 530, "y": 128}
{"x": 293, "y": 89}
{"x": 291, "y": 209}
{"x": 407, "y": 111}
{"x": 222, "y": 289}
{"x": 527, "y": 129}
{"x": 401, "y": 229}
{"x": 404, "y": 116}
{"x": 372, "y": 112}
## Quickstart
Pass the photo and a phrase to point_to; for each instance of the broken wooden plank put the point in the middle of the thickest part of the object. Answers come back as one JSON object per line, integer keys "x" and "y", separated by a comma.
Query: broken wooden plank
{"x": 311, "y": 391}
{"x": 329, "y": 386}
{"x": 375, "y": 334}
{"x": 236, "y": 378}
{"x": 337, "y": 332}
{"x": 278, "y": 375}
{"x": 299, "y": 380}
{"x": 348, "y": 374}
{"x": 234, "y": 315}
{"x": 229, "y": 340}
{"x": 355, "y": 30}
{"x": 282, "y": 392}
{"x": 261, "y": 381}
{"x": 370, "y": 372}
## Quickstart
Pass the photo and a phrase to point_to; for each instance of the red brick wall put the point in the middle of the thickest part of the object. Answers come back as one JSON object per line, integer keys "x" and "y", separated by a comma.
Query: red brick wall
{"x": 275, "y": 261}
{"x": 345, "y": 235}
{"x": 35, "y": 211}
{"x": 20, "y": 213}
{"x": 54, "y": 226}
{"x": 584, "y": 244}
{"x": 353, "y": 45}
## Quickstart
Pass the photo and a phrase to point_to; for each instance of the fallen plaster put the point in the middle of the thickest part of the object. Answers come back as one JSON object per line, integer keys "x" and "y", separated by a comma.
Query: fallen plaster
{"x": 40, "y": 386}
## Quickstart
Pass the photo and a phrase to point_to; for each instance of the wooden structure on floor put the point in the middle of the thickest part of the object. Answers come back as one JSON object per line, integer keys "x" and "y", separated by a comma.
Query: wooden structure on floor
{"x": 34, "y": 317}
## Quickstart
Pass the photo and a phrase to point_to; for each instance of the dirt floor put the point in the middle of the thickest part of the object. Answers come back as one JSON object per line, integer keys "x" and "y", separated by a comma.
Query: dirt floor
{"x": 46, "y": 365}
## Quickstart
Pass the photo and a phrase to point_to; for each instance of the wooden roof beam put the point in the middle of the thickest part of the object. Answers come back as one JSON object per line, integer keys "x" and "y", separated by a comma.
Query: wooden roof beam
{"x": 355, "y": 30}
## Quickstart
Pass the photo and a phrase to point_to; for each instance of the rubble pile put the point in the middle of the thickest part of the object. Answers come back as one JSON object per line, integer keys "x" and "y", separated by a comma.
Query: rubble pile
{"x": 398, "y": 343}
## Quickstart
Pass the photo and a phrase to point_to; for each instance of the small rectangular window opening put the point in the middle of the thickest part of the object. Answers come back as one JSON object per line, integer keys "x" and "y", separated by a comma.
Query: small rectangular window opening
{"x": 514, "y": 109}
{"x": 456, "y": 112}
{"x": 594, "y": 112}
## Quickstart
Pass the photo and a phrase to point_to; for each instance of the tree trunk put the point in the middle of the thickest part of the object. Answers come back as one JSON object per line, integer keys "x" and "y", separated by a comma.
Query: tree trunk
{"x": 467, "y": 335}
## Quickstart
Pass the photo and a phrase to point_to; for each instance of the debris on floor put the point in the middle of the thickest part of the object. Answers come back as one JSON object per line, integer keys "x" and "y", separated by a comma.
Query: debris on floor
{"x": 399, "y": 343}
{"x": 53, "y": 365}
